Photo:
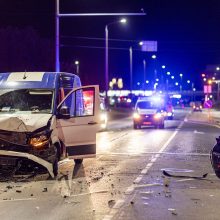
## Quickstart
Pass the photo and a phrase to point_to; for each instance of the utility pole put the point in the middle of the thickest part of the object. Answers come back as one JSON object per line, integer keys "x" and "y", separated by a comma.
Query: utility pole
{"x": 131, "y": 69}
{"x": 144, "y": 63}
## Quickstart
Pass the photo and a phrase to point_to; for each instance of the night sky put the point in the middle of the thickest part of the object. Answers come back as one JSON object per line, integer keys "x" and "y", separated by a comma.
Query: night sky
{"x": 187, "y": 33}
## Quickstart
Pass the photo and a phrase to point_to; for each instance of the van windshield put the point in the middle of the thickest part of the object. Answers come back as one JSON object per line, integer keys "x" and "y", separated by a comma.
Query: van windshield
{"x": 26, "y": 100}
{"x": 146, "y": 105}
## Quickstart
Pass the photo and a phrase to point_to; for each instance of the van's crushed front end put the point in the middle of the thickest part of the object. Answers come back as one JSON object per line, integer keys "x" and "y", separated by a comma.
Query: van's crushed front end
{"x": 25, "y": 143}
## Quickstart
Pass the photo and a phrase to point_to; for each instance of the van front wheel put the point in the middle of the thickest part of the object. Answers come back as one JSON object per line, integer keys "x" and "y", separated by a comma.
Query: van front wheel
{"x": 78, "y": 161}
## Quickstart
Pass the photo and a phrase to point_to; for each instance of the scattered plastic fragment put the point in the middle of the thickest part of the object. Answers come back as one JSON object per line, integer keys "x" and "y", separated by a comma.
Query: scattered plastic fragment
{"x": 45, "y": 189}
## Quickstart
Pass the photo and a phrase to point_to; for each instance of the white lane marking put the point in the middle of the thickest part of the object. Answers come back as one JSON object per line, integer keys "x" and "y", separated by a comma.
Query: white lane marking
{"x": 119, "y": 204}
{"x": 138, "y": 179}
{"x": 129, "y": 190}
{"x": 198, "y": 132}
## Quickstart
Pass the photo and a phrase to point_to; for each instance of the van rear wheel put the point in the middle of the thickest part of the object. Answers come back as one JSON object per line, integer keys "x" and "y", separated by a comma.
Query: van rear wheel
{"x": 78, "y": 161}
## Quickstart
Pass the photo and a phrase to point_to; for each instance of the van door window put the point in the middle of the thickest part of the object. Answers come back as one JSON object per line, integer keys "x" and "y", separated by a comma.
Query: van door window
{"x": 80, "y": 102}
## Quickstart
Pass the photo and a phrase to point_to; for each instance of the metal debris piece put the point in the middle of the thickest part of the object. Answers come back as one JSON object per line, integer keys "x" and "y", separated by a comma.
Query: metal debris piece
{"x": 165, "y": 173}
{"x": 111, "y": 203}
{"x": 173, "y": 211}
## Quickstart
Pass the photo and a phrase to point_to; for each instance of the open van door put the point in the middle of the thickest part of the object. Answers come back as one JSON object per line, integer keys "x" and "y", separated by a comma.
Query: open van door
{"x": 78, "y": 121}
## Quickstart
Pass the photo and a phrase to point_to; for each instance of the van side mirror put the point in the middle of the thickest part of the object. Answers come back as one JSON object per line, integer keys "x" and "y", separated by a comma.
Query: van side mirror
{"x": 64, "y": 112}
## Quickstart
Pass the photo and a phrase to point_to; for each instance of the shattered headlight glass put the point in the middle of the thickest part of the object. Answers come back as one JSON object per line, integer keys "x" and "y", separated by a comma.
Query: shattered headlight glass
{"x": 39, "y": 140}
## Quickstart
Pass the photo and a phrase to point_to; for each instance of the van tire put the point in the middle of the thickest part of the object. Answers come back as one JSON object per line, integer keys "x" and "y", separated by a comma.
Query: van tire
{"x": 78, "y": 161}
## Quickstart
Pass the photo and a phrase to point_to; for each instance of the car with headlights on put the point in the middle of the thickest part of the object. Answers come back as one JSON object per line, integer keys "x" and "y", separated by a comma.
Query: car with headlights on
{"x": 147, "y": 113}
{"x": 197, "y": 106}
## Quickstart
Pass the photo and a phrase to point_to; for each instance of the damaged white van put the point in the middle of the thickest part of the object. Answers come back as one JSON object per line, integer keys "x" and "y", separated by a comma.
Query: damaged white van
{"x": 44, "y": 117}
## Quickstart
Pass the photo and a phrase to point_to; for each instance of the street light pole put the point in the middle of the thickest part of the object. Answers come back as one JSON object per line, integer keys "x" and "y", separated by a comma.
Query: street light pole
{"x": 131, "y": 68}
{"x": 58, "y": 15}
{"x": 57, "y": 41}
{"x": 106, "y": 60}
{"x": 77, "y": 67}
{"x": 144, "y": 63}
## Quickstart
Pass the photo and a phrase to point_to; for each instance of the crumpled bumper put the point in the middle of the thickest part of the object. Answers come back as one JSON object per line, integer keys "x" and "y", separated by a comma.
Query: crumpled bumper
{"x": 44, "y": 163}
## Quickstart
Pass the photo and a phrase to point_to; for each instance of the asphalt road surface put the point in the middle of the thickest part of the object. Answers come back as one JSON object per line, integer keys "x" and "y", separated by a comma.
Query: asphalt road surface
{"x": 125, "y": 180}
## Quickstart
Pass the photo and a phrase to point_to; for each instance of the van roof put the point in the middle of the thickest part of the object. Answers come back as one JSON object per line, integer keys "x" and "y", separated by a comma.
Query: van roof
{"x": 22, "y": 80}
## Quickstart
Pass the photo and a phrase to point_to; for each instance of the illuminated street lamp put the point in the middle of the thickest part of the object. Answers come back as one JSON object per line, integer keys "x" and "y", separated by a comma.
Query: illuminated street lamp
{"x": 176, "y": 83}
{"x": 153, "y": 56}
{"x": 147, "y": 81}
{"x": 172, "y": 77}
{"x": 168, "y": 73}
{"x": 77, "y": 67}
{"x": 209, "y": 81}
{"x": 163, "y": 67}
{"x": 204, "y": 79}
{"x": 123, "y": 20}
{"x": 217, "y": 68}
{"x": 188, "y": 81}
{"x": 181, "y": 77}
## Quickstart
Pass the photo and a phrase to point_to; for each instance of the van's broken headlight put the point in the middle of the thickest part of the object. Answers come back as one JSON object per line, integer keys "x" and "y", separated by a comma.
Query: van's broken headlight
{"x": 39, "y": 140}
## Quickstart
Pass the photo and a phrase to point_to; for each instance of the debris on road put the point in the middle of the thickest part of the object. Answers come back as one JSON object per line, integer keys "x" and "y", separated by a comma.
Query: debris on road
{"x": 111, "y": 203}
{"x": 165, "y": 173}
{"x": 18, "y": 191}
{"x": 173, "y": 211}
{"x": 45, "y": 189}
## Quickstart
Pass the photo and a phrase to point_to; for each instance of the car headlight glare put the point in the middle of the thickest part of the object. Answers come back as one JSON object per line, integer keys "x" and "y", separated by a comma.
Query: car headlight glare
{"x": 136, "y": 115}
{"x": 169, "y": 113}
{"x": 39, "y": 142}
{"x": 157, "y": 116}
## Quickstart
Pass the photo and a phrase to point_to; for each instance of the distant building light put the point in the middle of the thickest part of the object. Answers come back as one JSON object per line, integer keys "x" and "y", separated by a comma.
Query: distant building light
{"x": 157, "y": 80}
{"x": 176, "y": 83}
{"x": 188, "y": 81}
{"x": 217, "y": 68}
{"x": 177, "y": 96}
{"x": 154, "y": 56}
{"x": 213, "y": 78}
{"x": 141, "y": 43}
{"x": 181, "y": 75}
{"x": 194, "y": 89}
{"x": 203, "y": 74}
{"x": 138, "y": 84}
{"x": 147, "y": 81}
{"x": 172, "y": 77}
{"x": 163, "y": 67}
{"x": 204, "y": 79}
{"x": 168, "y": 73}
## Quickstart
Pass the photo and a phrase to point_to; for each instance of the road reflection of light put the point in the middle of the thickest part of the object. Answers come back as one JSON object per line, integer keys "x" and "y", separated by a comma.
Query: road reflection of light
{"x": 144, "y": 141}
{"x": 103, "y": 142}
